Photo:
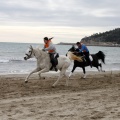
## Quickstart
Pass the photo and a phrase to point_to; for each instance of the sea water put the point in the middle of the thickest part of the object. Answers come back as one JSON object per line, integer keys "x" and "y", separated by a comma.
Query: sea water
{"x": 12, "y": 54}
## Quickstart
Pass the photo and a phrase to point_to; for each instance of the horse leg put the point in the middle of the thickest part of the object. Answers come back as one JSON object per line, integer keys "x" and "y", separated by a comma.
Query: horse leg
{"x": 97, "y": 64}
{"x": 67, "y": 79}
{"x": 42, "y": 71}
{"x": 98, "y": 68}
{"x": 62, "y": 73}
{"x": 36, "y": 70}
{"x": 74, "y": 67}
{"x": 101, "y": 68}
{"x": 60, "y": 76}
{"x": 40, "y": 76}
{"x": 84, "y": 76}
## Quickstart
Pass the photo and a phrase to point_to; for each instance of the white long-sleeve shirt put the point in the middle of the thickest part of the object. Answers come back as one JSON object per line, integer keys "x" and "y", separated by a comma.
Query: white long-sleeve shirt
{"x": 51, "y": 47}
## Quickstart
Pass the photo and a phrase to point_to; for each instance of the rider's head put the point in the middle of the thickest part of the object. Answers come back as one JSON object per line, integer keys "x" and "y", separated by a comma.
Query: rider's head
{"x": 45, "y": 39}
{"x": 78, "y": 44}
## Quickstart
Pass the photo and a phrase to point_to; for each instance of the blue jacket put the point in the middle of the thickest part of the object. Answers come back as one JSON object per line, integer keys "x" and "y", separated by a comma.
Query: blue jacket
{"x": 83, "y": 48}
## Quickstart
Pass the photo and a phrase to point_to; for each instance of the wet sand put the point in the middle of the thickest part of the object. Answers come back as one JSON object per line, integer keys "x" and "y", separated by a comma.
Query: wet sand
{"x": 95, "y": 98}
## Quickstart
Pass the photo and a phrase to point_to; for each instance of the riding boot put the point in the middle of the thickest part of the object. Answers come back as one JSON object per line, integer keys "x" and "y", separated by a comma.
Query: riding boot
{"x": 54, "y": 65}
{"x": 55, "y": 69}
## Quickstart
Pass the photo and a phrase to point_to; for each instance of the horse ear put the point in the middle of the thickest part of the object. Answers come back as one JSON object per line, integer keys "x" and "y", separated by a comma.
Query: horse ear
{"x": 31, "y": 47}
{"x": 73, "y": 45}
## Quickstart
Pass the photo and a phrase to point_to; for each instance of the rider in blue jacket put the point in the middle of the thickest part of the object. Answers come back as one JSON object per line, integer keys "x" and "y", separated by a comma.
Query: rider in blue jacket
{"x": 82, "y": 48}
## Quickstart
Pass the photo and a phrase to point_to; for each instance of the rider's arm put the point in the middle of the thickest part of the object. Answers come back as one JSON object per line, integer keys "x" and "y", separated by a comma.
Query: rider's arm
{"x": 51, "y": 47}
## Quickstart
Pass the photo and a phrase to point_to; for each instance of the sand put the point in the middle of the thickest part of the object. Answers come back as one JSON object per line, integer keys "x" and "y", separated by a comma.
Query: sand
{"x": 95, "y": 98}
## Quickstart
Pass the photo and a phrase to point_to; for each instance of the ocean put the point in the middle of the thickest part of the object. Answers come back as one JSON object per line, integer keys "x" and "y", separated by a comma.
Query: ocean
{"x": 12, "y": 62}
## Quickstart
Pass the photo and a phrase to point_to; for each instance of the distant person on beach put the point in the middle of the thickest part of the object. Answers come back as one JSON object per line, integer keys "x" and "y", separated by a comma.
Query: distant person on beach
{"x": 50, "y": 47}
{"x": 82, "y": 48}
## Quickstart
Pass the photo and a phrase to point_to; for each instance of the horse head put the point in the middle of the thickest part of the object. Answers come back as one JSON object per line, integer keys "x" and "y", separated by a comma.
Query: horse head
{"x": 29, "y": 53}
{"x": 72, "y": 49}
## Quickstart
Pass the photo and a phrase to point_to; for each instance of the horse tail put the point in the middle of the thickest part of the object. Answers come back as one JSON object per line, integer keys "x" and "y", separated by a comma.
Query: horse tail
{"x": 101, "y": 56}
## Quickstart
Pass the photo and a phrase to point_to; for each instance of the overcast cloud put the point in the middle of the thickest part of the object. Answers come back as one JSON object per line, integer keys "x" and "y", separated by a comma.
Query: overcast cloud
{"x": 60, "y": 13}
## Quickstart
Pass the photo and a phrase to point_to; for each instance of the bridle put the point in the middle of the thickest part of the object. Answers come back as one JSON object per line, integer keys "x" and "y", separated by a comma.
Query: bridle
{"x": 29, "y": 55}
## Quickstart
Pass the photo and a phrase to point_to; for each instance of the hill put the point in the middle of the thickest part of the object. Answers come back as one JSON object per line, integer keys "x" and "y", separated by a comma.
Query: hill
{"x": 111, "y": 37}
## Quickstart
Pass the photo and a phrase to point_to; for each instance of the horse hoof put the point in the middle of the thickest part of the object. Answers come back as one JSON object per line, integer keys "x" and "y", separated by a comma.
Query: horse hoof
{"x": 26, "y": 81}
{"x": 41, "y": 78}
{"x": 53, "y": 86}
{"x": 82, "y": 77}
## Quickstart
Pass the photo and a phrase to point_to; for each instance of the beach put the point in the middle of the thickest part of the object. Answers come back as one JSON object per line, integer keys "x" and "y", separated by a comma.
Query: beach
{"x": 94, "y": 98}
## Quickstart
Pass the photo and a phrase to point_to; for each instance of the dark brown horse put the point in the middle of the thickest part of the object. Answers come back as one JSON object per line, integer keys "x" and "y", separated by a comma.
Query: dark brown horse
{"x": 95, "y": 62}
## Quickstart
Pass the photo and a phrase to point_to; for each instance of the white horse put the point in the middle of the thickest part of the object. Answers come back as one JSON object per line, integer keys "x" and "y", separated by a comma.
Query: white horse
{"x": 44, "y": 64}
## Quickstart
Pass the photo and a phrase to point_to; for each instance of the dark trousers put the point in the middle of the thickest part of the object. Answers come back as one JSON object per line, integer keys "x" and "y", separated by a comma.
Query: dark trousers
{"x": 52, "y": 59}
{"x": 87, "y": 57}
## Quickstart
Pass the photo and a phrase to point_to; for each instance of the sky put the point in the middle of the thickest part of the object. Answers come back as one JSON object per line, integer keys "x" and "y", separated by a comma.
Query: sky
{"x": 29, "y": 21}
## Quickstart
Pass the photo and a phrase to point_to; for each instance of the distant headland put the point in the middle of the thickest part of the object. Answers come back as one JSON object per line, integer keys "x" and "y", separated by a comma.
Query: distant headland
{"x": 106, "y": 44}
{"x": 109, "y": 38}
{"x": 63, "y": 43}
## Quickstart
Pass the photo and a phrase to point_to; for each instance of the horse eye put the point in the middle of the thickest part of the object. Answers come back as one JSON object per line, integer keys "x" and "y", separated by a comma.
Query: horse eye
{"x": 29, "y": 51}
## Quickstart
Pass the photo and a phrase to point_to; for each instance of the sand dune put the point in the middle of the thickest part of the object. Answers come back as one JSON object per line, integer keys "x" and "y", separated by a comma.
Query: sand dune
{"x": 95, "y": 98}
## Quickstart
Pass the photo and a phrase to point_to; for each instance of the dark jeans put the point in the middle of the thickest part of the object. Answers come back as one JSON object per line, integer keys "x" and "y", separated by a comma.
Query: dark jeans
{"x": 87, "y": 57}
{"x": 52, "y": 59}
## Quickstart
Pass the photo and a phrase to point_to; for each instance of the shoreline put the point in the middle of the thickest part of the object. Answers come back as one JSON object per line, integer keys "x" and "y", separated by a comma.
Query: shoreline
{"x": 53, "y": 72}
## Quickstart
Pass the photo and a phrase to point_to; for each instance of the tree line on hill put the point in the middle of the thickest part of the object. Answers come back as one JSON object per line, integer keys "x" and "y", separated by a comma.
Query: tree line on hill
{"x": 112, "y": 36}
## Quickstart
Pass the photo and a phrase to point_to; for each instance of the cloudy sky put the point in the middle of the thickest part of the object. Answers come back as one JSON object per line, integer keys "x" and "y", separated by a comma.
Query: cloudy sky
{"x": 65, "y": 20}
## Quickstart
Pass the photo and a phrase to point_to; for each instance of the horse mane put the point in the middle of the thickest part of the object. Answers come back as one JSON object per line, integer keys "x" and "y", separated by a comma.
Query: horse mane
{"x": 43, "y": 52}
{"x": 40, "y": 52}
{"x": 74, "y": 57}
